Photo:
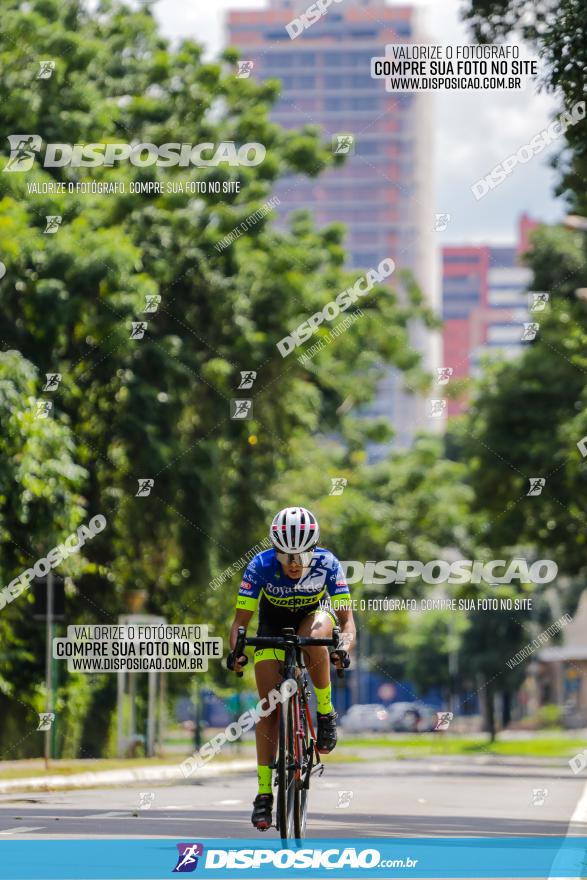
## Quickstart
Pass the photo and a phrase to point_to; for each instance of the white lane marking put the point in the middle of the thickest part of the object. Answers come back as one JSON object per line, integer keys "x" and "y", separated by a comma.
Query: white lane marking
{"x": 144, "y": 814}
{"x": 22, "y": 829}
{"x": 579, "y": 817}
{"x": 580, "y": 814}
{"x": 111, "y": 814}
{"x": 229, "y": 802}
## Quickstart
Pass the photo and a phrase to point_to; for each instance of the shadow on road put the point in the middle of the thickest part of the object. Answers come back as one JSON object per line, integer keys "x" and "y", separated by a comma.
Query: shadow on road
{"x": 220, "y": 823}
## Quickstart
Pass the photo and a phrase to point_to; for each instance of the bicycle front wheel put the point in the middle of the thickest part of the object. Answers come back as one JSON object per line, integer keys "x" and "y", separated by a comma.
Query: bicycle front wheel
{"x": 286, "y": 773}
{"x": 301, "y": 791}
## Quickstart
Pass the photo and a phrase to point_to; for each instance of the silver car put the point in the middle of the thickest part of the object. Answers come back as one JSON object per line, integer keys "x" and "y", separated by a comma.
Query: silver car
{"x": 411, "y": 717}
{"x": 364, "y": 717}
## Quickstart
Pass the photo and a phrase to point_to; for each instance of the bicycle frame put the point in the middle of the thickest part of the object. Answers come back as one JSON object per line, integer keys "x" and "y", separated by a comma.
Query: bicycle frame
{"x": 304, "y": 754}
{"x": 301, "y": 712}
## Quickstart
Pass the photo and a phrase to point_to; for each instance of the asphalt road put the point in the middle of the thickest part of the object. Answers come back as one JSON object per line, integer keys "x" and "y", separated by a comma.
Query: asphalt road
{"x": 449, "y": 796}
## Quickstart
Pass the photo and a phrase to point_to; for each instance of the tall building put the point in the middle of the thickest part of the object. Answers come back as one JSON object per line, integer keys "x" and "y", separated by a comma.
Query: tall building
{"x": 484, "y": 304}
{"x": 383, "y": 192}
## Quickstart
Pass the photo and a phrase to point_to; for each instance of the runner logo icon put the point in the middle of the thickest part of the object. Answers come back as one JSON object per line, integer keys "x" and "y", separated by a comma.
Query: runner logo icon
{"x": 187, "y": 859}
{"x": 23, "y": 148}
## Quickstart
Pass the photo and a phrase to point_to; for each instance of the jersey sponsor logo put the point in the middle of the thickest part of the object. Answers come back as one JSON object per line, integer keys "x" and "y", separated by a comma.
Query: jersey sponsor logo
{"x": 317, "y": 567}
{"x": 294, "y": 589}
{"x": 274, "y": 590}
{"x": 341, "y": 589}
{"x": 314, "y": 578}
{"x": 294, "y": 601}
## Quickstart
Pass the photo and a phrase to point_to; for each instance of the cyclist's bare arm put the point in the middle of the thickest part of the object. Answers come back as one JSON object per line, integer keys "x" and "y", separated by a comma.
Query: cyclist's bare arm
{"x": 241, "y": 618}
{"x": 348, "y": 630}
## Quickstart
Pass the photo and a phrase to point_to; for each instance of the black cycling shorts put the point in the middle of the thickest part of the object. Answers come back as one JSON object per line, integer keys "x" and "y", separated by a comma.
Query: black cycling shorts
{"x": 274, "y": 625}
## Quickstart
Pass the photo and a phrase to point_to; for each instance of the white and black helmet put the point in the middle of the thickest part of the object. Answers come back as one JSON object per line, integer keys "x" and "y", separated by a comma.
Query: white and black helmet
{"x": 294, "y": 530}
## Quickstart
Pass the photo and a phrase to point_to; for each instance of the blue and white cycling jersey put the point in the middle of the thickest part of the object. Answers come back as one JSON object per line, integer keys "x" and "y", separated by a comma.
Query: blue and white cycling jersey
{"x": 264, "y": 580}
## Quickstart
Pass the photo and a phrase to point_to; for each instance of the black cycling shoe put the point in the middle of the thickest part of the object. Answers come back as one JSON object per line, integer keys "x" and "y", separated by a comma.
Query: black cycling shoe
{"x": 262, "y": 811}
{"x": 326, "y": 732}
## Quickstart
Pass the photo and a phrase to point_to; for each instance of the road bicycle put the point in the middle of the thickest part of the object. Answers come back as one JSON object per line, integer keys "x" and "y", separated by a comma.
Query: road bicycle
{"x": 298, "y": 758}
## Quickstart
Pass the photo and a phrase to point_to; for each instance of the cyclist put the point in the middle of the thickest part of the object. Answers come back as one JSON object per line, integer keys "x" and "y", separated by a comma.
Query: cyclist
{"x": 293, "y": 584}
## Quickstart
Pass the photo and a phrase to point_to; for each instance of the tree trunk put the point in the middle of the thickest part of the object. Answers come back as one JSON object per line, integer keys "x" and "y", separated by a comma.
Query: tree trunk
{"x": 487, "y": 702}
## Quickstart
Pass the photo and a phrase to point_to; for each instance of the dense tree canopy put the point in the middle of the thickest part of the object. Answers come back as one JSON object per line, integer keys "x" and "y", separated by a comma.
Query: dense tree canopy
{"x": 158, "y": 407}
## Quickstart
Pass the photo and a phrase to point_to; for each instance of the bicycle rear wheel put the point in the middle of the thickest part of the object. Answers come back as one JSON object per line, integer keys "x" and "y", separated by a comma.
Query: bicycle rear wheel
{"x": 286, "y": 794}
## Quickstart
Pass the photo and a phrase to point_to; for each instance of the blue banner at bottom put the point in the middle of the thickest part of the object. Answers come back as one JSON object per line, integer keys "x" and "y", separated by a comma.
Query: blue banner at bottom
{"x": 417, "y": 857}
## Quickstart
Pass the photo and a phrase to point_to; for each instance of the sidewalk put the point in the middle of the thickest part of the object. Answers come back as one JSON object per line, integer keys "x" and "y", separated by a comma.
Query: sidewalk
{"x": 146, "y": 773}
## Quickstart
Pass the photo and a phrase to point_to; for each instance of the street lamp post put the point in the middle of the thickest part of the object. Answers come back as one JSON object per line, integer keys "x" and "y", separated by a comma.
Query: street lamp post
{"x": 49, "y": 665}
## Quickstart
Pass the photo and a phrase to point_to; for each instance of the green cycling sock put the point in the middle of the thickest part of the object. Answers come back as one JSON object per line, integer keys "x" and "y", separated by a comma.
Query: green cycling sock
{"x": 264, "y": 778}
{"x": 324, "y": 700}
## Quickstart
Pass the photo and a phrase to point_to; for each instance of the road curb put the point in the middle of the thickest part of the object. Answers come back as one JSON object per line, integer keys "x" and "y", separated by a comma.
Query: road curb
{"x": 160, "y": 773}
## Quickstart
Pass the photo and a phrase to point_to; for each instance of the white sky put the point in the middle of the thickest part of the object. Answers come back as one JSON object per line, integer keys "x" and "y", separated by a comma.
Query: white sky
{"x": 473, "y": 131}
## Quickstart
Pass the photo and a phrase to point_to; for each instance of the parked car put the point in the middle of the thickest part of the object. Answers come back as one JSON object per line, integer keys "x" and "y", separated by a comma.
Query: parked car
{"x": 411, "y": 717}
{"x": 365, "y": 717}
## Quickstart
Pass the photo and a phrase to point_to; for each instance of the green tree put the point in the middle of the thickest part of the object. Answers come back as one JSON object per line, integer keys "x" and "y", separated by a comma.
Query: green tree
{"x": 527, "y": 417}
{"x": 40, "y": 504}
{"x": 556, "y": 32}
{"x": 159, "y": 407}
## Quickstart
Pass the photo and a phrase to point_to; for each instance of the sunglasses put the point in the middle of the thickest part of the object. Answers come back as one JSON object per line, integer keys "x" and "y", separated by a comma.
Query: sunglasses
{"x": 303, "y": 559}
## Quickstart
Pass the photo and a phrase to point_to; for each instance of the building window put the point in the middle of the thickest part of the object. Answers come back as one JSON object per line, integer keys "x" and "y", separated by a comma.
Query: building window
{"x": 463, "y": 287}
{"x": 365, "y": 259}
{"x": 402, "y": 28}
{"x": 369, "y": 148}
{"x": 332, "y": 59}
{"x": 276, "y": 61}
{"x": 461, "y": 258}
{"x": 364, "y": 103}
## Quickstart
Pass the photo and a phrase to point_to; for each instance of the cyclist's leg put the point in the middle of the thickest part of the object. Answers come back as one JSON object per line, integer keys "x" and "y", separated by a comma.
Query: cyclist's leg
{"x": 268, "y": 674}
{"x": 319, "y": 625}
